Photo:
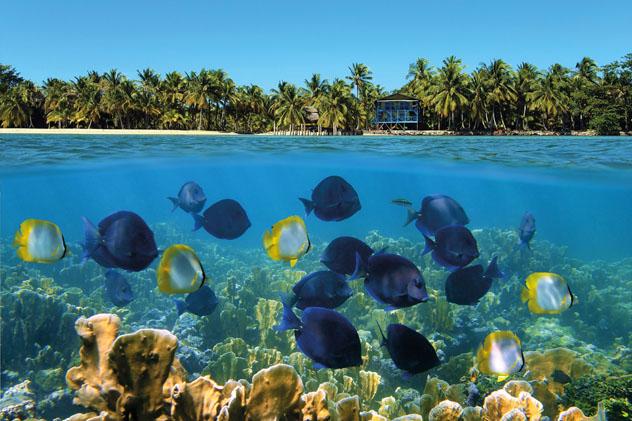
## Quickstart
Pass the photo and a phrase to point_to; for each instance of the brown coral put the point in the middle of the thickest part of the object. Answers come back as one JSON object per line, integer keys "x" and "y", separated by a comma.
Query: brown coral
{"x": 500, "y": 403}
{"x": 446, "y": 411}
{"x": 276, "y": 393}
{"x": 315, "y": 406}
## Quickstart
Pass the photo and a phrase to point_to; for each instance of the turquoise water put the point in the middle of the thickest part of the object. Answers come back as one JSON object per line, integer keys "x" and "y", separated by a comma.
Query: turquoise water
{"x": 578, "y": 189}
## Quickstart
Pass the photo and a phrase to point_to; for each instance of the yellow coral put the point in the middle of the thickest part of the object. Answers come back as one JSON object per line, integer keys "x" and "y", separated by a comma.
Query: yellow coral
{"x": 276, "y": 393}
{"x": 446, "y": 411}
{"x": 315, "y": 406}
{"x": 369, "y": 383}
{"x": 348, "y": 409}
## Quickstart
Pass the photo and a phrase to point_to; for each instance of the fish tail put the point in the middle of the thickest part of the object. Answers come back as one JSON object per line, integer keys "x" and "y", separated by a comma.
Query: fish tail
{"x": 175, "y": 202}
{"x": 198, "y": 221}
{"x": 430, "y": 245}
{"x": 493, "y": 271}
{"x": 181, "y": 306}
{"x": 92, "y": 238}
{"x": 289, "y": 321}
{"x": 309, "y": 205}
{"x": 411, "y": 215}
{"x": 290, "y": 299}
{"x": 356, "y": 271}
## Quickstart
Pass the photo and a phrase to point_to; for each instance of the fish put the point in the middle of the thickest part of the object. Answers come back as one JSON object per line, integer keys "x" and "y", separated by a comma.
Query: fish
{"x": 395, "y": 281}
{"x": 39, "y": 241}
{"x": 323, "y": 288}
{"x": 333, "y": 199}
{"x": 468, "y": 285}
{"x": 180, "y": 270}
{"x": 287, "y": 240}
{"x": 546, "y": 293}
{"x": 122, "y": 240}
{"x": 347, "y": 256}
{"x": 454, "y": 247}
{"x": 202, "y": 302}
{"x": 191, "y": 198}
{"x": 409, "y": 349}
{"x": 117, "y": 289}
{"x": 526, "y": 230}
{"x": 500, "y": 355}
{"x": 225, "y": 219}
{"x": 437, "y": 211}
{"x": 560, "y": 377}
{"x": 325, "y": 336}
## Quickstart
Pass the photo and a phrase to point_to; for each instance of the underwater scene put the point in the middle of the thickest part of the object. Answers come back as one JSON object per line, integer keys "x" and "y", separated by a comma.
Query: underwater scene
{"x": 280, "y": 278}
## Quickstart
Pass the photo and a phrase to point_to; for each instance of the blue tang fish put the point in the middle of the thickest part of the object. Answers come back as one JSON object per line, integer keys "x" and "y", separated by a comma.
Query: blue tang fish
{"x": 395, "y": 281}
{"x": 201, "y": 302}
{"x": 117, "y": 289}
{"x": 409, "y": 349}
{"x": 321, "y": 289}
{"x": 191, "y": 198}
{"x": 225, "y": 219}
{"x": 347, "y": 255}
{"x": 467, "y": 285}
{"x": 325, "y": 336}
{"x": 122, "y": 240}
{"x": 454, "y": 247}
{"x": 333, "y": 199}
{"x": 437, "y": 211}
{"x": 526, "y": 230}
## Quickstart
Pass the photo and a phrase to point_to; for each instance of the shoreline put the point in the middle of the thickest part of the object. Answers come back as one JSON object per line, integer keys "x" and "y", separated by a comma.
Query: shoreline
{"x": 419, "y": 133}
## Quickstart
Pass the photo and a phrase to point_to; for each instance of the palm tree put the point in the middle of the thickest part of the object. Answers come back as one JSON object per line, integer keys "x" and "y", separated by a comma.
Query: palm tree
{"x": 58, "y": 102}
{"x": 15, "y": 106}
{"x": 199, "y": 89}
{"x": 479, "y": 102}
{"x": 289, "y": 106}
{"x": 360, "y": 76}
{"x": 548, "y": 97}
{"x": 113, "y": 96}
{"x": 335, "y": 105}
{"x": 502, "y": 92}
{"x": 586, "y": 70}
{"x": 87, "y": 101}
{"x": 451, "y": 89}
{"x": 526, "y": 82}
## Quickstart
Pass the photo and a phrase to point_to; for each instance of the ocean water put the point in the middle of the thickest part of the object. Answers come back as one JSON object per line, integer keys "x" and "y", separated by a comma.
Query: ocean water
{"x": 578, "y": 189}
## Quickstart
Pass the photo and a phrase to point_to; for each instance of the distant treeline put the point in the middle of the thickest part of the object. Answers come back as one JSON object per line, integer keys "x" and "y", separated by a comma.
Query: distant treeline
{"x": 493, "y": 97}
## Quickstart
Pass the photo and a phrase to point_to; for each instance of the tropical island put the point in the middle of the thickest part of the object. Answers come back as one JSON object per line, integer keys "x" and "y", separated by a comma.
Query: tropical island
{"x": 492, "y": 99}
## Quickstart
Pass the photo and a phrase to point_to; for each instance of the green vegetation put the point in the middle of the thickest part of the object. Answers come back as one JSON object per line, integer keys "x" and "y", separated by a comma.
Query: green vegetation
{"x": 494, "y": 97}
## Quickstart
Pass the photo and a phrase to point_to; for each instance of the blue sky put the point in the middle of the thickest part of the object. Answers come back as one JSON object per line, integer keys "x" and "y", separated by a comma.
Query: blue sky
{"x": 262, "y": 42}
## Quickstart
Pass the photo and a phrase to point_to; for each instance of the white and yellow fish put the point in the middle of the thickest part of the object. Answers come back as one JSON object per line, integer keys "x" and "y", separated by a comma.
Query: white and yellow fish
{"x": 180, "y": 270}
{"x": 39, "y": 241}
{"x": 546, "y": 293}
{"x": 500, "y": 355}
{"x": 287, "y": 240}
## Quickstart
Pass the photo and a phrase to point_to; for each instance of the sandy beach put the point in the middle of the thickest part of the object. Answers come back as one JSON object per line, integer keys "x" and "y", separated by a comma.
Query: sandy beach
{"x": 124, "y": 132}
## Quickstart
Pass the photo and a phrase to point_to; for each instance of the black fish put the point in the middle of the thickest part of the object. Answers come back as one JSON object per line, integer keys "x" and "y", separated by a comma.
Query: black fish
{"x": 395, "y": 281}
{"x": 409, "y": 350}
{"x": 560, "y": 377}
{"x": 526, "y": 230}
{"x": 201, "y": 302}
{"x": 190, "y": 198}
{"x": 333, "y": 199}
{"x": 325, "y": 336}
{"x": 341, "y": 256}
{"x": 466, "y": 286}
{"x": 225, "y": 219}
{"x": 117, "y": 289}
{"x": 454, "y": 247}
{"x": 122, "y": 240}
{"x": 437, "y": 211}
{"x": 321, "y": 289}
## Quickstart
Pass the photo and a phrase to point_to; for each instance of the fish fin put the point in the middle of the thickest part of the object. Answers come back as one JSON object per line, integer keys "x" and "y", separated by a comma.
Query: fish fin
{"x": 198, "y": 221}
{"x": 358, "y": 261}
{"x": 289, "y": 321}
{"x": 380, "y": 251}
{"x": 290, "y": 298}
{"x": 430, "y": 245}
{"x": 411, "y": 215}
{"x": 524, "y": 295}
{"x": 309, "y": 205}
{"x": 502, "y": 378}
{"x": 318, "y": 366}
{"x": 402, "y": 202}
{"x": 492, "y": 269}
{"x": 181, "y": 306}
{"x": 293, "y": 262}
{"x": 390, "y": 308}
{"x": 383, "y": 343}
{"x": 175, "y": 201}
{"x": 93, "y": 238}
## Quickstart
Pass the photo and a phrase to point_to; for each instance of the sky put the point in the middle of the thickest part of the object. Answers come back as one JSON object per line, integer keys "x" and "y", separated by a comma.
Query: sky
{"x": 263, "y": 42}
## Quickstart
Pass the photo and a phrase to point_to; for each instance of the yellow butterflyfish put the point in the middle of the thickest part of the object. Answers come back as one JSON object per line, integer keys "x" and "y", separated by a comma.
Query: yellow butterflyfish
{"x": 546, "y": 293}
{"x": 500, "y": 354}
{"x": 180, "y": 270}
{"x": 39, "y": 241}
{"x": 287, "y": 240}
